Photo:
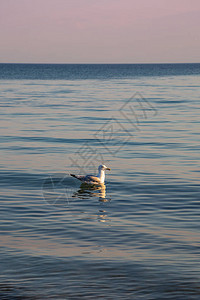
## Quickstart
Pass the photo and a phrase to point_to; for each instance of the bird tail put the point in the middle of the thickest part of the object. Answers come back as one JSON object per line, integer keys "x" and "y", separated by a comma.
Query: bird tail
{"x": 73, "y": 175}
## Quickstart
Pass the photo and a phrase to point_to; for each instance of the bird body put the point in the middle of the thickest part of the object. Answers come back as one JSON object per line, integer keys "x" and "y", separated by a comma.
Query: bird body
{"x": 91, "y": 179}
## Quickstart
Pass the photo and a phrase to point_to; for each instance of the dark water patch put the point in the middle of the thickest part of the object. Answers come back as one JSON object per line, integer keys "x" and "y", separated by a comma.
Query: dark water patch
{"x": 13, "y": 179}
{"x": 94, "y": 279}
{"x": 14, "y": 292}
{"x": 61, "y": 92}
{"x": 46, "y": 139}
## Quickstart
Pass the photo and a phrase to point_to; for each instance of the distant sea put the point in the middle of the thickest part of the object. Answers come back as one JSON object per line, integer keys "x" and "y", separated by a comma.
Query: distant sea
{"x": 94, "y": 71}
{"x": 138, "y": 236}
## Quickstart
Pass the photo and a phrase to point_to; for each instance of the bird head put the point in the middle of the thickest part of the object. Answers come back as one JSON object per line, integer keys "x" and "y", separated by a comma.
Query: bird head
{"x": 103, "y": 167}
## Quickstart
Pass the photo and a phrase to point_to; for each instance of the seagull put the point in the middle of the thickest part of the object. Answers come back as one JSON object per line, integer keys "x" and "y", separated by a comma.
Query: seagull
{"x": 99, "y": 179}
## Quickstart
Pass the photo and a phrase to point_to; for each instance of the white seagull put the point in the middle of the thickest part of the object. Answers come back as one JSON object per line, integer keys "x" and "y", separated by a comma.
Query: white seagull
{"x": 91, "y": 179}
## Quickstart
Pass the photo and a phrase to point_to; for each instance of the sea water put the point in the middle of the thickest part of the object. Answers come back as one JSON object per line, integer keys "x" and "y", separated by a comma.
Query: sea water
{"x": 138, "y": 236}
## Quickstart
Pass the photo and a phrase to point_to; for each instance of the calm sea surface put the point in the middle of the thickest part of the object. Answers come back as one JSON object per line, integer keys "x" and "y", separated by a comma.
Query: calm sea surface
{"x": 138, "y": 237}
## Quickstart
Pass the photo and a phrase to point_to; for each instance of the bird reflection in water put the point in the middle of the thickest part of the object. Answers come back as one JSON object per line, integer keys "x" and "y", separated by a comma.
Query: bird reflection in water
{"x": 92, "y": 190}
{"x": 99, "y": 191}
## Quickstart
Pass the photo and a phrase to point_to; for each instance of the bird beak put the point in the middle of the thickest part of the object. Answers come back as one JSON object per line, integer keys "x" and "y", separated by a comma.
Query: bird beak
{"x": 108, "y": 169}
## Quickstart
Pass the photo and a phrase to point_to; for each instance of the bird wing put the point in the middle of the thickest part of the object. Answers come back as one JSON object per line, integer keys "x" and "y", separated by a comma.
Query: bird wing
{"x": 94, "y": 179}
{"x": 87, "y": 178}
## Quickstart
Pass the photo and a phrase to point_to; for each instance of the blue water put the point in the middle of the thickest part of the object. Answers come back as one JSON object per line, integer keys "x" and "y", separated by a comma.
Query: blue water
{"x": 137, "y": 237}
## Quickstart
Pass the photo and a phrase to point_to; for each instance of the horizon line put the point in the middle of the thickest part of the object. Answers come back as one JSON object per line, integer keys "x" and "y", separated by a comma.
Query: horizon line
{"x": 96, "y": 63}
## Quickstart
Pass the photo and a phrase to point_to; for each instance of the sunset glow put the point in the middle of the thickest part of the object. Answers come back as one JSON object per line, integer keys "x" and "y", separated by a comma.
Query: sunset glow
{"x": 91, "y": 31}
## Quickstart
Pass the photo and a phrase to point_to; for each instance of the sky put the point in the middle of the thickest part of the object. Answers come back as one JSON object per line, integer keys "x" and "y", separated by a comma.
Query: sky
{"x": 99, "y": 31}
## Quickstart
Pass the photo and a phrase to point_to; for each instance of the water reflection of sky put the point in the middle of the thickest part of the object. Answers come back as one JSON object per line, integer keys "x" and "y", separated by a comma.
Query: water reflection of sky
{"x": 41, "y": 122}
{"x": 148, "y": 209}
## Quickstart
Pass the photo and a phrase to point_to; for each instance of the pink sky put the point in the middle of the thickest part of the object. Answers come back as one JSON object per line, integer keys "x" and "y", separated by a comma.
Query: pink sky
{"x": 99, "y": 31}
